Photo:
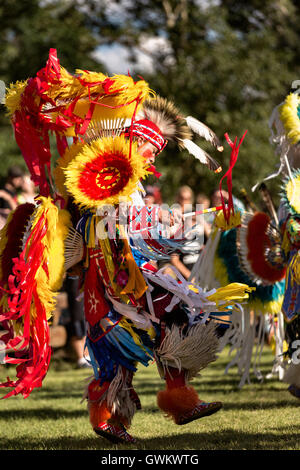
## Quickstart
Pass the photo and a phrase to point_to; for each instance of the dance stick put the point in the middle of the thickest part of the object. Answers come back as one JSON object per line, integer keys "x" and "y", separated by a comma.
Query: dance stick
{"x": 205, "y": 211}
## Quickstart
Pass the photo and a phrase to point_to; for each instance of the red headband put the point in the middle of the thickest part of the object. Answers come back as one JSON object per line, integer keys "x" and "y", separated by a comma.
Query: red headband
{"x": 149, "y": 131}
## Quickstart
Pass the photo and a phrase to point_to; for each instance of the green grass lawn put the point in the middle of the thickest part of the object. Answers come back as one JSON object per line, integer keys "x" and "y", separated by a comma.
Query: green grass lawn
{"x": 260, "y": 416}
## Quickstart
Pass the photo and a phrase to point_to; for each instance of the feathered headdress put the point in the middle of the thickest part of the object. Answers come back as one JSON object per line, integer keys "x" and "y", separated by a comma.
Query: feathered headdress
{"x": 174, "y": 127}
{"x": 87, "y": 107}
{"x": 284, "y": 125}
{"x": 84, "y": 107}
{"x": 291, "y": 192}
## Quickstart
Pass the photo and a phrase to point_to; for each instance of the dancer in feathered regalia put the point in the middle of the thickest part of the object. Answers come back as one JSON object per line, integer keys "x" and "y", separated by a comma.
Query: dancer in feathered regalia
{"x": 285, "y": 126}
{"x": 264, "y": 253}
{"x": 243, "y": 254}
{"x": 90, "y": 214}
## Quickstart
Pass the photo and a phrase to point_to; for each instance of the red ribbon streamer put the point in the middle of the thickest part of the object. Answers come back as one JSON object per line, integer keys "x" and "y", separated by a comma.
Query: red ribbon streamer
{"x": 33, "y": 342}
{"x": 228, "y": 175}
{"x": 153, "y": 170}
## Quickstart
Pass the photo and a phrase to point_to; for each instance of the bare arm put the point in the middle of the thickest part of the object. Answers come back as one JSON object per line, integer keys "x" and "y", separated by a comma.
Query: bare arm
{"x": 175, "y": 261}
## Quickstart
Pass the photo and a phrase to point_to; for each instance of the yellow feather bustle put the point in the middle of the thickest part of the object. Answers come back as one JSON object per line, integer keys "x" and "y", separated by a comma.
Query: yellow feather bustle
{"x": 234, "y": 221}
{"x": 56, "y": 250}
{"x": 61, "y": 166}
{"x": 294, "y": 269}
{"x": 292, "y": 189}
{"x": 113, "y": 97}
{"x": 49, "y": 279}
{"x": 286, "y": 244}
{"x": 13, "y": 96}
{"x": 289, "y": 115}
{"x": 119, "y": 100}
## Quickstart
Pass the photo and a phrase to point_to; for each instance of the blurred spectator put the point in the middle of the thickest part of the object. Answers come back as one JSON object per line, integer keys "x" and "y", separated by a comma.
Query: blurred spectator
{"x": 76, "y": 331}
{"x": 153, "y": 195}
{"x": 9, "y": 192}
{"x": 185, "y": 198}
{"x": 149, "y": 199}
{"x": 203, "y": 199}
{"x": 28, "y": 192}
{"x": 207, "y": 220}
{"x": 217, "y": 201}
{"x": 72, "y": 318}
{"x": 185, "y": 260}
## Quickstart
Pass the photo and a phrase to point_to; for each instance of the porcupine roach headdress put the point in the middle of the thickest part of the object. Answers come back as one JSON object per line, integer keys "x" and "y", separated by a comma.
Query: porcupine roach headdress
{"x": 86, "y": 113}
{"x": 171, "y": 126}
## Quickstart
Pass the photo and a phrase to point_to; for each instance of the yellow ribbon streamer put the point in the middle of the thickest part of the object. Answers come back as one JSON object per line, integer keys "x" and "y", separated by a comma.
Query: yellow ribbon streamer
{"x": 136, "y": 284}
{"x": 234, "y": 291}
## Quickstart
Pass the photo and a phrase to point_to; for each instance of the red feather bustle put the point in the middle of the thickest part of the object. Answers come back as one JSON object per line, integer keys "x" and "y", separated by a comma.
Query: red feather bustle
{"x": 257, "y": 242}
{"x": 31, "y": 126}
{"x": 31, "y": 347}
{"x": 14, "y": 233}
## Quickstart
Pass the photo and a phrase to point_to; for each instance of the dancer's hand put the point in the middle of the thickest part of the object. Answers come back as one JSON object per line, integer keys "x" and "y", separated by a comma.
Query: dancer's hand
{"x": 167, "y": 216}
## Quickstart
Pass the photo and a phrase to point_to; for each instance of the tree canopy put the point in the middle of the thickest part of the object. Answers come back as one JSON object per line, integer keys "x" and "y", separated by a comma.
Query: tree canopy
{"x": 227, "y": 63}
{"x": 28, "y": 30}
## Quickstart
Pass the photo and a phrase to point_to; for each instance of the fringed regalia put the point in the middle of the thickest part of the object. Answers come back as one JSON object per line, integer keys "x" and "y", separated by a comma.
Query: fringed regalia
{"x": 285, "y": 127}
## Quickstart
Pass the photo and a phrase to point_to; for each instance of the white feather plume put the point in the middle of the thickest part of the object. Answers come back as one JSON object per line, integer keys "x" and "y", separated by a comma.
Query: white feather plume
{"x": 201, "y": 155}
{"x": 204, "y": 131}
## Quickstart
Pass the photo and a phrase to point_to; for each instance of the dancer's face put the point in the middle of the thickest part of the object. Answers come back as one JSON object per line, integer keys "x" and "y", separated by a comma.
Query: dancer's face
{"x": 147, "y": 150}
